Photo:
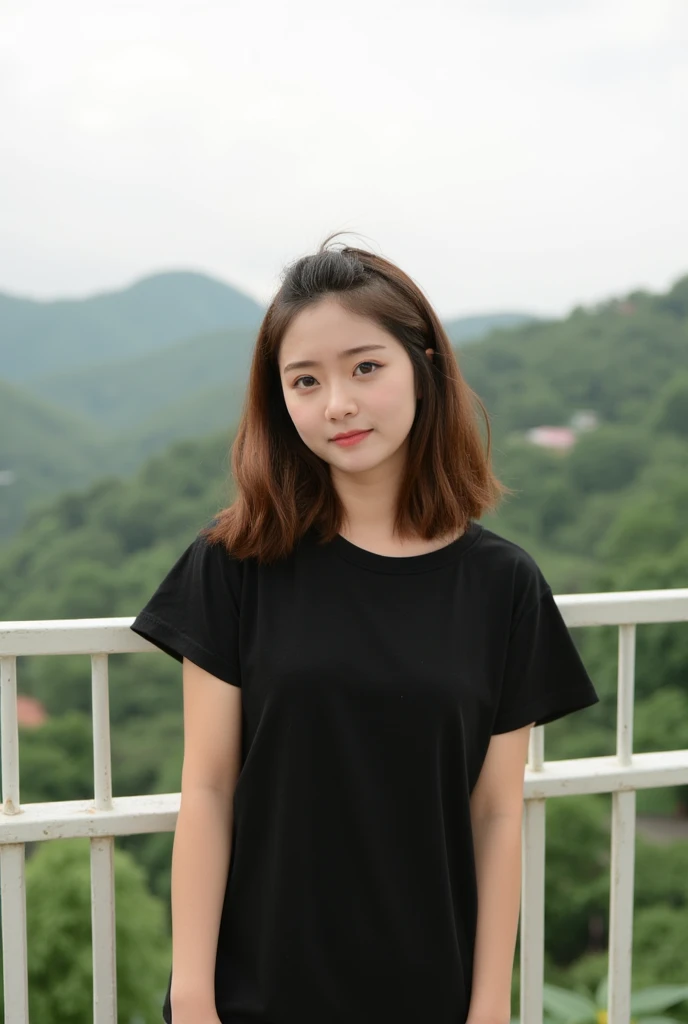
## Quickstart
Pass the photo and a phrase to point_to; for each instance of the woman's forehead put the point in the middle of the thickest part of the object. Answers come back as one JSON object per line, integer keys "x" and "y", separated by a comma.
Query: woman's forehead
{"x": 328, "y": 333}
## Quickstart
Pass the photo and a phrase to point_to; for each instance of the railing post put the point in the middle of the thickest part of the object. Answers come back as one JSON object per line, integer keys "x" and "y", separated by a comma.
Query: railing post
{"x": 12, "y": 860}
{"x": 532, "y": 939}
{"x": 623, "y": 843}
{"x": 10, "y": 735}
{"x": 103, "y": 918}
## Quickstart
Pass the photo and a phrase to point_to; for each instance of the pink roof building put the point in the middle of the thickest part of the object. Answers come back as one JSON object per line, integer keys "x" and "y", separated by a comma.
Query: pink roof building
{"x": 562, "y": 438}
{"x": 30, "y": 712}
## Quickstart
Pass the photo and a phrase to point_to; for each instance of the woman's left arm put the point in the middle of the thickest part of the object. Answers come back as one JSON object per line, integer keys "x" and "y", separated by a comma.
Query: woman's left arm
{"x": 496, "y": 816}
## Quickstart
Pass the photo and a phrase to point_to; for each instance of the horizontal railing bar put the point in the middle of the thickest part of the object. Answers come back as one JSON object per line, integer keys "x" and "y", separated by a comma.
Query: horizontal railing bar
{"x": 624, "y": 607}
{"x": 133, "y": 815}
{"x": 71, "y": 636}
{"x": 70, "y": 819}
{"x": 607, "y": 775}
{"x": 113, "y": 636}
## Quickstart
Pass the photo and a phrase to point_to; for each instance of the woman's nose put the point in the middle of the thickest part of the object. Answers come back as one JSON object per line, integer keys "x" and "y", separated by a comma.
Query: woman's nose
{"x": 339, "y": 402}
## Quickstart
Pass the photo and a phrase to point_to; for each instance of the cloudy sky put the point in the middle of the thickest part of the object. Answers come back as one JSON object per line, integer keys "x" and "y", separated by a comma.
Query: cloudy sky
{"x": 508, "y": 154}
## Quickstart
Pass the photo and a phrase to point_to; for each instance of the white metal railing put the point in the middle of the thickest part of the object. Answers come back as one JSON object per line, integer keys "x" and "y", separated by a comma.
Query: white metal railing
{"x": 105, "y": 817}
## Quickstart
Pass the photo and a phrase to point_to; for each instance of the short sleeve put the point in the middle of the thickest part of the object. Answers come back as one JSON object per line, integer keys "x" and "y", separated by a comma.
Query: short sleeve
{"x": 194, "y": 613}
{"x": 544, "y": 676}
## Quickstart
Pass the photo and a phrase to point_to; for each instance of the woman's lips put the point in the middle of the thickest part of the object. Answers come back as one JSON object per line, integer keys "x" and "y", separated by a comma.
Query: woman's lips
{"x": 346, "y": 442}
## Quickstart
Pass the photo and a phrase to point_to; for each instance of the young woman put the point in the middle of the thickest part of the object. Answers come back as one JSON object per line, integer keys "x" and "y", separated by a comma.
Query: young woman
{"x": 349, "y": 838}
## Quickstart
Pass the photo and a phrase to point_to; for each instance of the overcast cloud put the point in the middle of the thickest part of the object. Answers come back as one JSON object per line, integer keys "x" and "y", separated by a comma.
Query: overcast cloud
{"x": 509, "y": 154}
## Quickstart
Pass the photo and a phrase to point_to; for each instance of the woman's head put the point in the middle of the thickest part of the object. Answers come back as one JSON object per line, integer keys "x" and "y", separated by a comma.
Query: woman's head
{"x": 420, "y": 411}
{"x": 341, "y": 372}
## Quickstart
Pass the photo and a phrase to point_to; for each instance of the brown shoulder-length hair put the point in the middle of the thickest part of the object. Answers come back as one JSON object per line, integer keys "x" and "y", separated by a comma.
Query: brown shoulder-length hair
{"x": 284, "y": 489}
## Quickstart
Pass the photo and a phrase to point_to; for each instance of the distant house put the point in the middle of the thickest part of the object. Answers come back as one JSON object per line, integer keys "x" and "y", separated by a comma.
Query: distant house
{"x": 30, "y": 712}
{"x": 584, "y": 419}
{"x": 561, "y": 438}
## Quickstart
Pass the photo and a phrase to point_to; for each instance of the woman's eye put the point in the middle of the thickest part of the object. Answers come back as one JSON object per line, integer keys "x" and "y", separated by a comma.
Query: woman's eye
{"x": 366, "y": 362}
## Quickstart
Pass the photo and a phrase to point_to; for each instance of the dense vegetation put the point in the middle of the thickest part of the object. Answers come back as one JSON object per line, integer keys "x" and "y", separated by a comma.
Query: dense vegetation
{"x": 45, "y": 449}
{"x": 609, "y": 514}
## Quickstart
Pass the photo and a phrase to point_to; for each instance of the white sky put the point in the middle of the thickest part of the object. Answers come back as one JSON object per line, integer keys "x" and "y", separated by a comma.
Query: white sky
{"x": 508, "y": 154}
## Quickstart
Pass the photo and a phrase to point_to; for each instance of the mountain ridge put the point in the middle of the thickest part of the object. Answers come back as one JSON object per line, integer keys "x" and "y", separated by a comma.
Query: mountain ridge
{"x": 41, "y": 337}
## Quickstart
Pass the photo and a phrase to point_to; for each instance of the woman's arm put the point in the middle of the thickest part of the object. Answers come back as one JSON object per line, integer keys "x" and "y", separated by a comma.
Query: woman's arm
{"x": 496, "y": 816}
{"x": 202, "y": 840}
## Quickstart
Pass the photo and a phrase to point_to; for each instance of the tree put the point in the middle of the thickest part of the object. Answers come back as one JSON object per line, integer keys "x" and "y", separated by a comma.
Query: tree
{"x": 608, "y": 458}
{"x": 59, "y": 937}
{"x": 576, "y": 874}
{"x": 670, "y": 412}
{"x": 56, "y": 759}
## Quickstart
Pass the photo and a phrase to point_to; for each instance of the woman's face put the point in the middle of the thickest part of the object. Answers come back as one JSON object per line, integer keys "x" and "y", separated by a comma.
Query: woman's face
{"x": 370, "y": 390}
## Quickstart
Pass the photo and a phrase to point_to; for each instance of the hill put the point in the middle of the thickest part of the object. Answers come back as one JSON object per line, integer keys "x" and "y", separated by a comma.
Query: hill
{"x": 612, "y": 358}
{"x": 49, "y": 337}
{"x": 214, "y": 411}
{"x": 464, "y": 329}
{"x": 122, "y": 394}
{"x": 42, "y": 450}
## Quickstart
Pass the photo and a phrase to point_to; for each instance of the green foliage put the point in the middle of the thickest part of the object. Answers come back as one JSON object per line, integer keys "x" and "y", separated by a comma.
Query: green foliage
{"x": 670, "y": 412}
{"x": 661, "y": 722}
{"x": 660, "y": 940}
{"x": 613, "y": 360}
{"x": 56, "y": 759}
{"x": 46, "y": 448}
{"x": 59, "y": 934}
{"x": 608, "y": 459}
{"x": 661, "y": 902}
{"x": 661, "y": 874}
{"x": 104, "y": 548}
{"x": 569, "y": 1007}
{"x": 576, "y": 874}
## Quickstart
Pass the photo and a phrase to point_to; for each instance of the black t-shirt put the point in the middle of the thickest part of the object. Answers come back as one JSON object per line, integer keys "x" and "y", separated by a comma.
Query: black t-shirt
{"x": 371, "y": 685}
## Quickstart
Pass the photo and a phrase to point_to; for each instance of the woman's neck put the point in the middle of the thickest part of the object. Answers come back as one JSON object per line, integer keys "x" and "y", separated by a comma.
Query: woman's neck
{"x": 385, "y": 544}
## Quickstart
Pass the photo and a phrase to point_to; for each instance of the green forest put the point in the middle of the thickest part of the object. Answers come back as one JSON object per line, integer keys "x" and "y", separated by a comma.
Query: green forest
{"x": 608, "y": 513}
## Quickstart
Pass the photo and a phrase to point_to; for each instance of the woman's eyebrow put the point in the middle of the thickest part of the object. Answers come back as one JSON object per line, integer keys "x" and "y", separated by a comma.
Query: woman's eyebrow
{"x": 303, "y": 363}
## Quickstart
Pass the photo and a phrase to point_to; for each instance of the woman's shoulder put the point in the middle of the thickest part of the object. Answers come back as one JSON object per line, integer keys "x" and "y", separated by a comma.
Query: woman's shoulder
{"x": 504, "y": 559}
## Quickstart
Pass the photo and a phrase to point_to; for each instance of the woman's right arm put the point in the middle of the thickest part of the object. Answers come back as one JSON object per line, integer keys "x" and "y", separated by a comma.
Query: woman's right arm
{"x": 202, "y": 840}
